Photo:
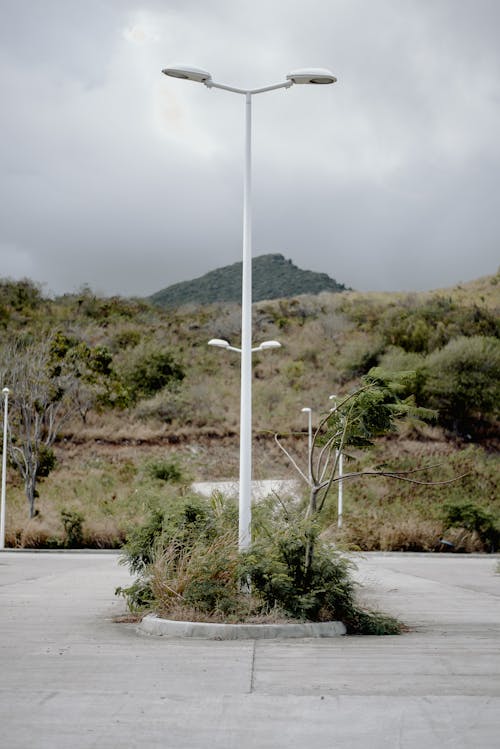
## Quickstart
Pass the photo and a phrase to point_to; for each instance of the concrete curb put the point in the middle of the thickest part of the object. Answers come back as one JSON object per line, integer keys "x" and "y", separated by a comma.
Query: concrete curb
{"x": 153, "y": 625}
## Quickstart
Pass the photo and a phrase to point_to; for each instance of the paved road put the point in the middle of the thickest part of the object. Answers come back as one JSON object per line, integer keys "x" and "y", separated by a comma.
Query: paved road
{"x": 72, "y": 677}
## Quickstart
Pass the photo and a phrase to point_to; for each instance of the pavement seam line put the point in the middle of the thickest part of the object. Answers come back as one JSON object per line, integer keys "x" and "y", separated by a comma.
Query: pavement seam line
{"x": 252, "y": 672}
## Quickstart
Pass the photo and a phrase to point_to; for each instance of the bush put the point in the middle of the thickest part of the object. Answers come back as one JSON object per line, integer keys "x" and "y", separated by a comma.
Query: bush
{"x": 359, "y": 355}
{"x": 164, "y": 470}
{"x": 462, "y": 380}
{"x": 473, "y": 518}
{"x": 182, "y": 520}
{"x": 47, "y": 461}
{"x": 152, "y": 373}
{"x": 320, "y": 591}
{"x": 73, "y": 531}
{"x": 189, "y": 567}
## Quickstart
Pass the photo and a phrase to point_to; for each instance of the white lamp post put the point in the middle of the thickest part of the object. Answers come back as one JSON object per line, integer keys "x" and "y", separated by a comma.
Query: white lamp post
{"x": 340, "y": 457}
{"x": 5, "y": 393}
{"x": 308, "y": 411}
{"x": 245, "y": 498}
{"x": 305, "y": 76}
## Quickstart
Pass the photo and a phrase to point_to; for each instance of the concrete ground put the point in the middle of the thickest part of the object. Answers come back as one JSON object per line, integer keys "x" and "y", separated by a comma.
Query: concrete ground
{"x": 72, "y": 677}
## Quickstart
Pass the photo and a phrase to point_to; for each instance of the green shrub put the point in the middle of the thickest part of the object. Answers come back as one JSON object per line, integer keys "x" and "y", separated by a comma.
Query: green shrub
{"x": 183, "y": 520}
{"x": 189, "y": 566}
{"x": 462, "y": 380}
{"x": 360, "y": 354}
{"x": 47, "y": 461}
{"x": 472, "y": 517}
{"x": 319, "y": 591}
{"x": 164, "y": 470}
{"x": 421, "y": 326}
{"x": 152, "y": 373}
{"x": 139, "y": 596}
{"x": 73, "y": 531}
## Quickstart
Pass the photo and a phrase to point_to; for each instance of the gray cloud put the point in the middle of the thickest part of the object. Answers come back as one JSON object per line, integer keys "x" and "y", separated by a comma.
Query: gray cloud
{"x": 113, "y": 175}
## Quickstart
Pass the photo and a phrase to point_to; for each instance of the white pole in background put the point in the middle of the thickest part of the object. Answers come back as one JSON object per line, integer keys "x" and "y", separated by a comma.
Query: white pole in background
{"x": 5, "y": 393}
{"x": 308, "y": 411}
{"x": 340, "y": 497}
{"x": 340, "y": 465}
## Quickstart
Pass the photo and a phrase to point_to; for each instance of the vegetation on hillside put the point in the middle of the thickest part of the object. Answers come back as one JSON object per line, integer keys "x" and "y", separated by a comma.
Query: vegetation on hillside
{"x": 125, "y": 381}
{"x": 272, "y": 277}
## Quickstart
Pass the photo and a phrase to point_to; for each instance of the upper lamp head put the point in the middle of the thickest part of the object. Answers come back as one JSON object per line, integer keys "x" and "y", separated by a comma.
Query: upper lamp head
{"x": 318, "y": 76}
{"x": 187, "y": 73}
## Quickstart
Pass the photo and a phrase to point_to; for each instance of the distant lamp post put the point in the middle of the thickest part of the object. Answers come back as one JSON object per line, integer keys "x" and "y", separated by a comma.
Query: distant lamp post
{"x": 304, "y": 76}
{"x": 340, "y": 459}
{"x": 308, "y": 411}
{"x": 5, "y": 393}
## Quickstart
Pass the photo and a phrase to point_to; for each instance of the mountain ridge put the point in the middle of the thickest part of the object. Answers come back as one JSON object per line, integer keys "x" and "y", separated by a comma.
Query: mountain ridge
{"x": 273, "y": 277}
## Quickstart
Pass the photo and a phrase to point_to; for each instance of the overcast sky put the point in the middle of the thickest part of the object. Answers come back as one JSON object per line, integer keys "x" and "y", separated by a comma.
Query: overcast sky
{"x": 116, "y": 176}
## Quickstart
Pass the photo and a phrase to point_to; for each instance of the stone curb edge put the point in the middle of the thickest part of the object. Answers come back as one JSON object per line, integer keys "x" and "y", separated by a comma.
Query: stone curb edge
{"x": 153, "y": 625}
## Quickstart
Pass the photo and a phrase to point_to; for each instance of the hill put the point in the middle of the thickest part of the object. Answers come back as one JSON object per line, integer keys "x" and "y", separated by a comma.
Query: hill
{"x": 273, "y": 277}
{"x": 147, "y": 400}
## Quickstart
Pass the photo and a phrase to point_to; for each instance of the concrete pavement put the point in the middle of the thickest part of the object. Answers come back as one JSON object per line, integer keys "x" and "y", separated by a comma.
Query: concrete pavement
{"x": 72, "y": 677}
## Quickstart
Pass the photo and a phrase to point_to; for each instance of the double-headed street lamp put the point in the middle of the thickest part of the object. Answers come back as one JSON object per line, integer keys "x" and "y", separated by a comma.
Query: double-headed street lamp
{"x": 314, "y": 76}
{"x": 221, "y": 343}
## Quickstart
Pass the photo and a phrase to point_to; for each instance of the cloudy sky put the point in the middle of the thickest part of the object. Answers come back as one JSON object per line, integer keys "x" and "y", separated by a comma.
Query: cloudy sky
{"x": 116, "y": 176}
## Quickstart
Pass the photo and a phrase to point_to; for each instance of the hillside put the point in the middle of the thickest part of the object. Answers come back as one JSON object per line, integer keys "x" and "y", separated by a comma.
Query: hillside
{"x": 273, "y": 277}
{"x": 146, "y": 398}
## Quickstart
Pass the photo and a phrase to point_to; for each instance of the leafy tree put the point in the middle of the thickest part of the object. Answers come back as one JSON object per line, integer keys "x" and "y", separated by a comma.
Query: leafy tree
{"x": 371, "y": 411}
{"x": 18, "y": 300}
{"x": 462, "y": 380}
{"x": 90, "y": 367}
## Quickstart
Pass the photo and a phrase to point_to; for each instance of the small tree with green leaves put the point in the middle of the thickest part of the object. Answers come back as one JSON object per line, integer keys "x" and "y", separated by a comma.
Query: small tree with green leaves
{"x": 371, "y": 411}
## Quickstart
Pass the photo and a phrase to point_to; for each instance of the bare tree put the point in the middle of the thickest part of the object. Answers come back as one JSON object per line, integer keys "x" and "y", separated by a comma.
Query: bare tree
{"x": 41, "y": 401}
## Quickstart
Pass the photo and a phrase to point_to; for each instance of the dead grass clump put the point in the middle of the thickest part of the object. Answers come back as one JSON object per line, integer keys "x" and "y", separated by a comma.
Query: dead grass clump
{"x": 200, "y": 579}
{"x": 35, "y": 535}
{"x": 377, "y": 534}
{"x": 104, "y": 534}
{"x": 414, "y": 534}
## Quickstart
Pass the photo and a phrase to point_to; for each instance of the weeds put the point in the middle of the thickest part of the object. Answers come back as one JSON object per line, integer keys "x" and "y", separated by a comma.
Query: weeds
{"x": 73, "y": 531}
{"x": 164, "y": 470}
{"x": 189, "y": 567}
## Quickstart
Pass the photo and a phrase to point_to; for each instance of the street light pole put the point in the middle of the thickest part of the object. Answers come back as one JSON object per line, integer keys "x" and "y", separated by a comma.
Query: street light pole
{"x": 5, "y": 393}
{"x": 245, "y": 512}
{"x": 245, "y": 486}
{"x": 340, "y": 459}
{"x": 308, "y": 411}
{"x": 315, "y": 76}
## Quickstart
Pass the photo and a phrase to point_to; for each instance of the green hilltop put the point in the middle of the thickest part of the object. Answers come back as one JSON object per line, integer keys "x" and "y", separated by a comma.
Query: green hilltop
{"x": 273, "y": 277}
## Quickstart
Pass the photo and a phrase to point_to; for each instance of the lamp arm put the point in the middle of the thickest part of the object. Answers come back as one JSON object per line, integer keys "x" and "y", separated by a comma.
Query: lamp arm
{"x": 213, "y": 84}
